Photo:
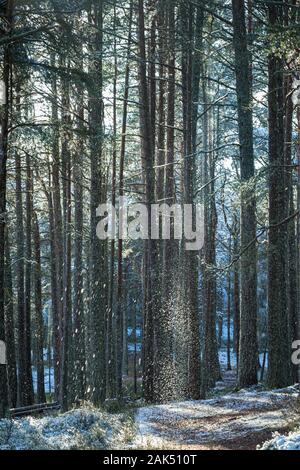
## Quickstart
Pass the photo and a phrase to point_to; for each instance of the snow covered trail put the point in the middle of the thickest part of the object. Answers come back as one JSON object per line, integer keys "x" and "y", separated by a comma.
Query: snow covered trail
{"x": 240, "y": 420}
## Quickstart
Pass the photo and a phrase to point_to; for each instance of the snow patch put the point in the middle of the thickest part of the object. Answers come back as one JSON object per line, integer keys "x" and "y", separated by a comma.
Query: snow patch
{"x": 280, "y": 442}
{"x": 78, "y": 429}
{"x": 205, "y": 422}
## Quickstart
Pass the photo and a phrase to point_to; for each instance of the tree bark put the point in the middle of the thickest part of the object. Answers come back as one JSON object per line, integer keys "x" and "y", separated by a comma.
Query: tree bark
{"x": 4, "y": 116}
{"x": 39, "y": 323}
{"x": 191, "y": 67}
{"x": 278, "y": 359}
{"x": 149, "y": 252}
{"x": 248, "y": 351}
{"x": 97, "y": 327}
{"x": 79, "y": 316}
{"x": 66, "y": 371}
{"x": 120, "y": 281}
{"x": 28, "y": 278}
{"x": 23, "y": 395}
{"x": 291, "y": 265}
{"x": 12, "y": 380}
{"x": 56, "y": 238}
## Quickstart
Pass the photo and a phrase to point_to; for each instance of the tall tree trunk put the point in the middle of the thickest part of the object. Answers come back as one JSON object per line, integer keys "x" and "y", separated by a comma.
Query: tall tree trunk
{"x": 161, "y": 26}
{"x": 125, "y": 328}
{"x": 298, "y": 225}
{"x": 39, "y": 323}
{"x": 191, "y": 67}
{"x": 173, "y": 351}
{"x": 278, "y": 359}
{"x": 291, "y": 265}
{"x": 113, "y": 368}
{"x": 120, "y": 279}
{"x": 248, "y": 352}
{"x": 56, "y": 238}
{"x": 23, "y": 393}
{"x": 65, "y": 391}
{"x": 10, "y": 329}
{"x": 149, "y": 252}
{"x": 96, "y": 361}
{"x": 229, "y": 312}
{"x": 79, "y": 317}
{"x": 28, "y": 283}
{"x": 211, "y": 367}
{"x": 135, "y": 351}
{"x": 236, "y": 297}
{"x": 54, "y": 342}
{"x": 164, "y": 386}
{"x": 3, "y": 174}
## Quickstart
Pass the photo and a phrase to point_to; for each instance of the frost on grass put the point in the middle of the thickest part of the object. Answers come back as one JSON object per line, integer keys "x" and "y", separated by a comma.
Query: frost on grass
{"x": 85, "y": 428}
{"x": 281, "y": 442}
{"x": 231, "y": 418}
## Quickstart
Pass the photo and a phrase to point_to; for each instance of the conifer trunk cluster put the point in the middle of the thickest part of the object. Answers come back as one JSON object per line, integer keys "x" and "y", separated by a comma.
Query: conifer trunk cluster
{"x": 163, "y": 103}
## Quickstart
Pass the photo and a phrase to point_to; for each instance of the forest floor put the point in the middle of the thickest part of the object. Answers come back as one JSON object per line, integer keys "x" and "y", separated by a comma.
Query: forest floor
{"x": 237, "y": 420}
{"x": 83, "y": 428}
{"x": 226, "y": 420}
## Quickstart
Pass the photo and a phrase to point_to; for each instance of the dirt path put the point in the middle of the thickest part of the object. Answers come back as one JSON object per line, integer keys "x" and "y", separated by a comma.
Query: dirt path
{"x": 239, "y": 420}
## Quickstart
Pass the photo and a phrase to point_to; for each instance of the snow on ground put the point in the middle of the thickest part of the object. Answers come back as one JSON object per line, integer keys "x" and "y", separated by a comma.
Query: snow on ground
{"x": 85, "y": 428}
{"x": 49, "y": 379}
{"x": 237, "y": 420}
{"x": 223, "y": 358}
{"x": 281, "y": 442}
